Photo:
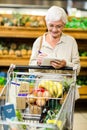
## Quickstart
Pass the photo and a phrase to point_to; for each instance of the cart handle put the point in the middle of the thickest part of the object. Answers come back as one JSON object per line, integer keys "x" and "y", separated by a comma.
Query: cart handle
{"x": 42, "y": 67}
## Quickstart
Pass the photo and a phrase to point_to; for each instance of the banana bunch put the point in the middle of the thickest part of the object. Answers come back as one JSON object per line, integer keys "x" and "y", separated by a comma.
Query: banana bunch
{"x": 54, "y": 88}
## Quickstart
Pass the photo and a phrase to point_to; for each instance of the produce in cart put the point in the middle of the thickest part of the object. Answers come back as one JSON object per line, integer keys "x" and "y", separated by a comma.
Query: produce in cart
{"x": 45, "y": 107}
{"x": 54, "y": 88}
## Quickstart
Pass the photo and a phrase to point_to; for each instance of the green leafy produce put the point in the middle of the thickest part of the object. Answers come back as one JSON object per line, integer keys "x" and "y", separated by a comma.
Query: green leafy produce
{"x": 81, "y": 80}
{"x": 19, "y": 117}
{"x": 50, "y": 110}
{"x": 77, "y": 23}
{"x": 82, "y": 53}
{"x": 66, "y": 83}
{"x": 50, "y": 115}
{"x": 2, "y": 81}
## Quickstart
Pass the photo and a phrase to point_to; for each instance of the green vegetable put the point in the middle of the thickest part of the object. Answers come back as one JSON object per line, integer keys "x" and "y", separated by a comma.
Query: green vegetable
{"x": 81, "y": 80}
{"x": 51, "y": 114}
{"x": 2, "y": 81}
{"x": 53, "y": 104}
{"x": 77, "y": 23}
{"x": 66, "y": 83}
{"x": 19, "y": 117}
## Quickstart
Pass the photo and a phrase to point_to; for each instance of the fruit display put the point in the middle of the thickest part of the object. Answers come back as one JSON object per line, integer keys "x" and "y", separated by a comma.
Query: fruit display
{"x": 17, "y": 19}
{"x": 14, "y": 49}
{"x": 20, "y": 20}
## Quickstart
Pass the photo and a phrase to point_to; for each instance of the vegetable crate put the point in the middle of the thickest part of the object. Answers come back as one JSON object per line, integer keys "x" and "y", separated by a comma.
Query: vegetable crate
{"x": 38, "y": 100}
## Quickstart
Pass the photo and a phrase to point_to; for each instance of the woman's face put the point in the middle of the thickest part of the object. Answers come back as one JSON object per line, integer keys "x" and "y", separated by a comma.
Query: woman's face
{"x": 55, "y": 28}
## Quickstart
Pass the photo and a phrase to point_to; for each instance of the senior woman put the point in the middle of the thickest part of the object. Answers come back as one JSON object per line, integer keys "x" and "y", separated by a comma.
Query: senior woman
{"x": 55, "y": 43}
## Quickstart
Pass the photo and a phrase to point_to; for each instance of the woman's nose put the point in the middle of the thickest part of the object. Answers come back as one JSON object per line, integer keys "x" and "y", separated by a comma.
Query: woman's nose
{"x": 55, "y": 28}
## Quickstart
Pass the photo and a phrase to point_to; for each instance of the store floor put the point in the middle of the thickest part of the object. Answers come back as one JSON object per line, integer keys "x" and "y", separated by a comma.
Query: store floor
{"x": 80, "y": 115}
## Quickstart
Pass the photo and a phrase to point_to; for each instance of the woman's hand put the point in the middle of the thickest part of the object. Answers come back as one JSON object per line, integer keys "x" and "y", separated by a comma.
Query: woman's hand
{"x": 40, "y": 58}
{"x": 58, "y": 63}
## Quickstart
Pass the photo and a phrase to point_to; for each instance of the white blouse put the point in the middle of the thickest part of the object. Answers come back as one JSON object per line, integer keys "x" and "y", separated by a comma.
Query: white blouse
{"x": 66, "y": 49}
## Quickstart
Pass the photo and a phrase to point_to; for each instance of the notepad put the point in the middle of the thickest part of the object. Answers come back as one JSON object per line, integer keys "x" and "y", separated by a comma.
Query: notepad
{"x": 47, "y": 60}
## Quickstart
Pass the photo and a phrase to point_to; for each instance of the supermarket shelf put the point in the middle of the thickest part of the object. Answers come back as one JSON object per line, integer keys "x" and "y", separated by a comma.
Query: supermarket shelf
{"x": 83, "y": 64}
{"x": 83, "y": 92}
{"x": 83, "y": 61}
{"x": 1, "y": 87}
{"x": 34, "y": 32}
{"x": 8, "y": 60}
{"x": 76, "y": 33}
{"x": 21, "y": 32}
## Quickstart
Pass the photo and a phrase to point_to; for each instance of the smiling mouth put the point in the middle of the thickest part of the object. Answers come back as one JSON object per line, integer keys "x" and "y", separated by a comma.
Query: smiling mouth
{"x": 55, "y": 32}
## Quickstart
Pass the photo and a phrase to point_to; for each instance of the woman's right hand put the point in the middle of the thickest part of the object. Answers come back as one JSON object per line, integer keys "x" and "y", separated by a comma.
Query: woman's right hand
{"x": 40, "y": 58}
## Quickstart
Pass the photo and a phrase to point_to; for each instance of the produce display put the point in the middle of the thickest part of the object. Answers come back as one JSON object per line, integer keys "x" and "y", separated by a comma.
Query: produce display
{"x": 82, "y": 80}
{"x": 17, "y": 19}
{"x": 82, "y": 53}
{"x": 14, "y": 49}
{"x": 76, "y": 23}
{"x": 3, "y": 79}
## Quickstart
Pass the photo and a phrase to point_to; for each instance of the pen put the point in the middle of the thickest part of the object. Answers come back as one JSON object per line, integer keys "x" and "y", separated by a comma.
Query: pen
{"x": 39, "y": 52}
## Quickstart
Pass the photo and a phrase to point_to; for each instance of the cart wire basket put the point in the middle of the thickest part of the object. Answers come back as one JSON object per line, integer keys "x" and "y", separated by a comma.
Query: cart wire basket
{"x": 38, "y": 100}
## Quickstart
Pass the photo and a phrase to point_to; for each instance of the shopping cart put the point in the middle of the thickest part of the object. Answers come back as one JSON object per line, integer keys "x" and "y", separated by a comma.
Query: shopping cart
{"x": 41, "y": 108}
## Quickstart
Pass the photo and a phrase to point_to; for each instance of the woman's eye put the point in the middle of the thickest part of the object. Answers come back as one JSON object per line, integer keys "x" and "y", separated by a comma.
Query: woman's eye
{"x": 51, "y": 25}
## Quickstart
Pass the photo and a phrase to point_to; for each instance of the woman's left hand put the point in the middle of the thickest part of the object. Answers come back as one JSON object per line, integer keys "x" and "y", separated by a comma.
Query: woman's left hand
{"x": 58, "y": 63}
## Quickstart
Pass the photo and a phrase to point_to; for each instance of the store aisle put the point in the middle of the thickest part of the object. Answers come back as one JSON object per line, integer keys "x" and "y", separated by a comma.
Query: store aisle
{"x": 80, "y": 116}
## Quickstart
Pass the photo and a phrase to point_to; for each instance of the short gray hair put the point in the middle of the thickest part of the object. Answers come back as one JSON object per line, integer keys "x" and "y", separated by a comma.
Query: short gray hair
{"x": 56, "y": 13}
